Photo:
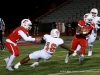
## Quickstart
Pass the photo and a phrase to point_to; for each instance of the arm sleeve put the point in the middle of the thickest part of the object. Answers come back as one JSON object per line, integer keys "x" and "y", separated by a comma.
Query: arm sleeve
{"x": 25, "y": 37}
{"x": 81, "y": 23}
{"x": 45, "y": 36}
{"x": 61, "y": 41}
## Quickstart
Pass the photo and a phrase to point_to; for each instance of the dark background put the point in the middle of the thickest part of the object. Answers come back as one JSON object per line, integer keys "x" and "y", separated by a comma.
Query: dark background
{"x": 13, "y": 11}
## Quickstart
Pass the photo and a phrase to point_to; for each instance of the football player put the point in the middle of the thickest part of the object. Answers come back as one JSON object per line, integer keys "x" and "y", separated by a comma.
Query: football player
{"x": 11, "y": 42}
{"x": 79, "y": 39}
{"x": 92, "y": 37}
{"x": 52, "y": 41}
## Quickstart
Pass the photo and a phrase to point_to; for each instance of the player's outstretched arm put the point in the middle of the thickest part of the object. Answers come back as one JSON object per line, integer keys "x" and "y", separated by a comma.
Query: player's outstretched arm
{"x": 66, "y": 47}
{"x": 25, "y": 37}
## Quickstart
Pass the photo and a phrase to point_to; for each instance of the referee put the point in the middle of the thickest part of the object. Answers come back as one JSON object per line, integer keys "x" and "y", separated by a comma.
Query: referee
{"x": 2, "y": 29}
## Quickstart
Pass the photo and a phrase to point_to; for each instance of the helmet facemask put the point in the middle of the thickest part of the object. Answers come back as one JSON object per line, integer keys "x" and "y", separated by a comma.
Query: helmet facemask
{"x": 29, "y": 27}
{"x": 88, "y": 18}
{"x": 93, "y": 14}
{"x": 89, "y": 21}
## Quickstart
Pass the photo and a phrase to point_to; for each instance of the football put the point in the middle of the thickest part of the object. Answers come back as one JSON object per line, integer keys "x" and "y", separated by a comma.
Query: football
{"x": 83, "y": 30}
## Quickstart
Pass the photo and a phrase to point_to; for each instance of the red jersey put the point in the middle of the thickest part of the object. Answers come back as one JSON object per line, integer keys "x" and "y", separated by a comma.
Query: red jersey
{"x": 14, "y": 36}
{"x": 89, "y": 28}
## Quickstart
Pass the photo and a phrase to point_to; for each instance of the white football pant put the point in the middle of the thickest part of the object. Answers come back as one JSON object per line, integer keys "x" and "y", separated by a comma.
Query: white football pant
{"x": 40, "y": 54}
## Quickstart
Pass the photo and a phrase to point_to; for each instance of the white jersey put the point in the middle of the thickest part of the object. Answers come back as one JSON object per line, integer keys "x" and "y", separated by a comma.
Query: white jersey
{"x": 96, "y": 22}
{"x": 51, "y": 43}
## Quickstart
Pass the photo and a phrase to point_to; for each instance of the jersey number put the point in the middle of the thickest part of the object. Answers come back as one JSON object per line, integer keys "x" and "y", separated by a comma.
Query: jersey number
{"x": 52, "y": 47}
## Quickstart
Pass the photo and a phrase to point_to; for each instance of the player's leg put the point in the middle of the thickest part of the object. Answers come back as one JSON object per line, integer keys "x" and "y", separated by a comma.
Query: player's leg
{"x": 42, "y": 55}
{"x": 77, "y": 49}
{"x": 23, "y": 61}
{"x": 74, "y": 44}
{"x": 2, "y": 41}
{"x": 14, "y": 51}
{"x": 90, "y": 44}
{"x": 35, "y": 63}
{"x": 34, "y": 55}
{"x": 83, "y": 45}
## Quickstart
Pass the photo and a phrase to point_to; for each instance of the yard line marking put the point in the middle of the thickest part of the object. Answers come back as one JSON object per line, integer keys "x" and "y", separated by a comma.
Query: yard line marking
{"x": 66, "y": 72}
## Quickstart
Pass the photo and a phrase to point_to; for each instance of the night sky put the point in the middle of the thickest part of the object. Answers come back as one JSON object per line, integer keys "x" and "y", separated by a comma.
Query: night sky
{"x": 13, "y": 11}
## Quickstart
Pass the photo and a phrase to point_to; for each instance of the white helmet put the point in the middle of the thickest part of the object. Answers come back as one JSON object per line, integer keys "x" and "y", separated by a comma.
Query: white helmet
{"x": 55, "y": 33}
{"x": 88, "y": 18}
{"x": 85, "y": 16}
{"x": 94, "y": 12}
{"x": 26, "y": 23}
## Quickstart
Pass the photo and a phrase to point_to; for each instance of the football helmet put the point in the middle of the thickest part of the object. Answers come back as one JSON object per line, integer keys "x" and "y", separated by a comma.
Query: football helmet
{"x": 88, "y": 18}
{"x": 85, "y": 16}
{"x": 26, "y": 23}
{"x": 55, "y": 33}
{"x": 94, "y": 12}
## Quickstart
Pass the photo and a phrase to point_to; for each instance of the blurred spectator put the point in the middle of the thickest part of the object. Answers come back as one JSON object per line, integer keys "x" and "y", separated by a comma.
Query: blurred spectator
{"x": 66, "y": 27}
{"x": 73, "y": 25}
{"x": 69, "y": 28}
{"x": 53, "y": 25}
{"x": 36, "y": 27}
{"x": 2, "y": 32}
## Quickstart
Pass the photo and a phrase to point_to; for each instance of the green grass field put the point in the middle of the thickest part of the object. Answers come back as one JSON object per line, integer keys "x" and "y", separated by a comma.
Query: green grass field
{"x": 55, "y": 65}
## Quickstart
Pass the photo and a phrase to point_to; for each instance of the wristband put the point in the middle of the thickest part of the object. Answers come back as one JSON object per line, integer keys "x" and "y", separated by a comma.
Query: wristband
{"x": 75, "y": 51}
{"x": 84, "y": 32}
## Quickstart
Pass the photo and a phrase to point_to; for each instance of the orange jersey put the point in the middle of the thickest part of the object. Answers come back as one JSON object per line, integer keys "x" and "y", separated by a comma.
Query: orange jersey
{"x": 14, "y": 36}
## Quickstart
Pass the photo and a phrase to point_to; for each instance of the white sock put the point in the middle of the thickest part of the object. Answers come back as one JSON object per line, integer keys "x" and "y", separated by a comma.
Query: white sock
{"x": 18, "y": 64}
{"x": 82, "y": 55}
{"x": 90, "y": 48}
{"x": 10, "y": 60}
{"x": 78, "y": 48}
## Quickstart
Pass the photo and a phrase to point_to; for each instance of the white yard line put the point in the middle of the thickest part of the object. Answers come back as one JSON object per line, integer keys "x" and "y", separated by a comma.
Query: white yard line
{"x": 81, "y": 71}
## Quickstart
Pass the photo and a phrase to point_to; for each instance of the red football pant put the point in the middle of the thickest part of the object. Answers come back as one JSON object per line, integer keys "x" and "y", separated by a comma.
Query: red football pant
{"x": 12, "y": 48}
{"x": 81, "y": 41}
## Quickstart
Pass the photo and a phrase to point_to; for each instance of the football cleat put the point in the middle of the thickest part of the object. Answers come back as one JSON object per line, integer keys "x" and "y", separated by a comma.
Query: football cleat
{"x": 6, "y": 60}
{"x": 74, "y": 54}
{"x": 9, "y": 68}
{"x": 81, "y": 58}
{"x": 89, "y": 53}
{"x": 67, "y": 58}
{"x": 16, "y": 66}
{"x": 34, "y": 64}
